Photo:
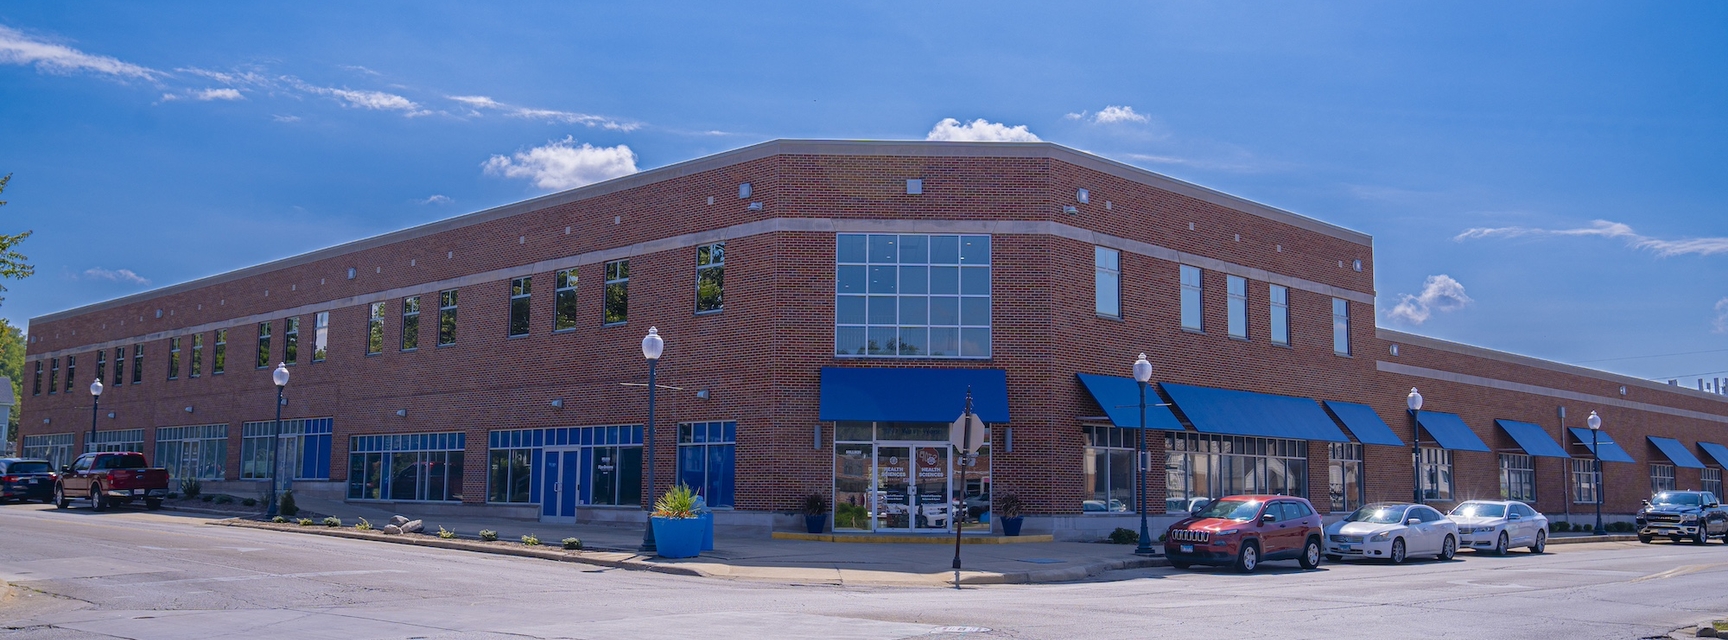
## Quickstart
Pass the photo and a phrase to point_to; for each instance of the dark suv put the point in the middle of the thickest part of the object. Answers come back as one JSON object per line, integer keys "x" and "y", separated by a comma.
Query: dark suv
{"x": 26, "y": 480}
{"x": 1242, "y": 531}
{"x": 1697, "y": 515}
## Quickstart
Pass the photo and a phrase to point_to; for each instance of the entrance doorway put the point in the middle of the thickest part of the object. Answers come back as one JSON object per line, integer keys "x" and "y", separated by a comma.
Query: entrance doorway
{"x": 912, "y": 492}
{"x": 562, "y": 485}
{"x": 903, "y": 477}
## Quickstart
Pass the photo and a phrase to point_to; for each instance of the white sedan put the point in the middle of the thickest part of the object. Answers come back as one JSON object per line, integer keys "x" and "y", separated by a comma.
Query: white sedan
{"x": 1497, "y": 525}
{"x": 1392, "y": 532}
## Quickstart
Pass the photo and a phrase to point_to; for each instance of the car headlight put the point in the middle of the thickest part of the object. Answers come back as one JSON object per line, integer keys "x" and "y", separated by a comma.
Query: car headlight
{"x": 1381, "y": 537}
{"x": 1689, "y": 518}
{"x": 1228, "y": 532}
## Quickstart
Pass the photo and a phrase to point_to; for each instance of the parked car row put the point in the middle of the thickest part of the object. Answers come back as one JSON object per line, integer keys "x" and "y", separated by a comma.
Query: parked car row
{"x": 105, "y": 479}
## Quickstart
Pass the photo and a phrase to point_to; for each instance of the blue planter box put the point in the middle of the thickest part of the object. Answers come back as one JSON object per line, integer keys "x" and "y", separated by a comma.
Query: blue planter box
{"x": 678, "y": 537}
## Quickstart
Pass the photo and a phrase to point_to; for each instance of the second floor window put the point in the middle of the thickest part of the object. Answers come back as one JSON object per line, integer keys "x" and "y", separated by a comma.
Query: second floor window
{"x": 102, "y": 364}
{"x": 36, "y": 389}
{"x": 173, "y": 358}
{"x": 375, "y": 329}
{"x": 521, "y": 297}
{"x": 197, "y": 365}
{"x": 263, "y": 344}
{"x": 137, "y": 363}
{"x": 71, "y": 371}
{"x": 1280, "y": 297}
{"x": 564, "y": 300}
{"x": 291, "y": 341}
{"x": 218, "y": 357}
{"x": 912, "y": 296}
{"x": 1107, "y": 281}
{"x": 1236, "y": 307}
{"x": 617, "y": 308}
{"x": 1340, "y": 326}
{"x": 446, "y": 317}
{"x": 1191, "y": 299}
{"x": 53, "y": 376}
{"x": 320, "y": 336}
{"x": 411, "y": 323}
{"x": 119, "y": 365}
{"x": 710, "y": 276}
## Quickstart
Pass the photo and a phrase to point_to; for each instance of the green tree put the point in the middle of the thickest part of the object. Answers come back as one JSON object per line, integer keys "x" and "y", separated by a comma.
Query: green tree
{"x": 12, "y": 366}
{"x": 12, "y": 264}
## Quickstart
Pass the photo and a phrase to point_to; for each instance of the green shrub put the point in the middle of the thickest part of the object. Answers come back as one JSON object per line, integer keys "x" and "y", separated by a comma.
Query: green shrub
{"x": 305, "y": 522}
{"x": 446, "y": 533}
{"x": 279, "y": 520}
{"x": 249, "y": 502}
{"x": 224, "y": 499}
{"x": 1124, "y": 536}
{"x": 851, "y": 516}
{"x": 364, "y": 525}
{"x": 207, "y": 498}
{"x": 679, "y": 502}
{"x": 531, "y": 540}
{"x": 191, "y": 487}
{"x": 573, "y": 544}
{"x": 488, "y": 535}
{"x": 815, "y": 504}
{"x": 1009, "y": 505}
{"x": 286, "y": 506}
{"x": 332, "y": 521}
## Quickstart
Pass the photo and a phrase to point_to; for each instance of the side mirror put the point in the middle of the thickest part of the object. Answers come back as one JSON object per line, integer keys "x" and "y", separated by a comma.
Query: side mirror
{"x": 1268, "y": 518}
{"x": 1413, "y": 521}
{"x": 65, "y": 468}
{"x": 1514, "y": 516}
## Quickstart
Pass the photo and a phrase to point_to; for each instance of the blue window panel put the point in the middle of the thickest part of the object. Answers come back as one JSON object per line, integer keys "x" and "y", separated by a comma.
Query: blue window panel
{"x": 548, "y": 506}
{"x": 699, "y": 434}
{"x": 323, "y": 456}
{"x": 587, "y": 436}
{"x": 461, "y": 441}
{"x": 534, "y": 476}
{"x": 692, "y": 468}
{"x": 515, "y": 439}
{"x": 539, "y": 437}
{"x": 492, "y": 440}
{"x": 731, "y": 432}
{"x": 572, "y": 462}
{"x": 586, "y": 493}
{"x": 636, "y": 435}
{"x": 308, "y": 457}
{"x": 563, "y": 436}
{"x": 720, "y": 474}
{"x": 611, "y": 435}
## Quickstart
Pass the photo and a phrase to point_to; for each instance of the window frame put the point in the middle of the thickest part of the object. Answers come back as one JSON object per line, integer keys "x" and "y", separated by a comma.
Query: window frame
{"x": 174, "y": 358}
{"x": 521, "y": 301}
{"x": 565, "y": 315}
{"x": 1438, "y": 482}
{"x": 716, "y": 268}
{"x": 687, "y": 439}
{"x": 218, "y": 353}
{"x": 1236, "y": 307}
{"x": 616, "y": 292}
{"x": 410, "y": 339}
{"x": 1278, "y": 297}
{"x": 1108, "y": 443}
{"x": 194, "y": 366}
{"x": 1107, "y": 282}
{"x": 71, "y": 372}
{"x": 102, "y": 364}
{"x": 1344, "y": 462}
{"x": 1192, "y": 302}
{"x": 375, "y": 327}
{"x": 291, "y": 340}
{"x": 1661, "y": 477}
{"x": 264, "y": 331}
{"x": 320, "y": 336}
{"x": 1586, "y": 483}
{"x": 1710, "y": 479}
{"x": 138, "y": 363}
{"x": 1517, "y": 477}
{"x": 448, "y": 300}
{"x": 911, "y": 295}
{"x": 1341, "y": 327}
{"x": 53, "y": 376}
{"x": 36, "y": 388}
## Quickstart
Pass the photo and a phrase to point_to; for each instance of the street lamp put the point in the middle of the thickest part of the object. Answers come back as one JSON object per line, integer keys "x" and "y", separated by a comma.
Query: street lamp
{"x": 1414, "y": 401}
{"x": 95, "y": 401}
{"x": 1595, "y": 423}
{"x": 1142, "y": 374}
{"x": 280, "y": 377}
{"x": 652, "y": 346}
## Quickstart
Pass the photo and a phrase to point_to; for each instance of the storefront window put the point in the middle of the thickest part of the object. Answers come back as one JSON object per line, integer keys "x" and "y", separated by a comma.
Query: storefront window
{"x": 1584, "y": 481}
{"x": 1212, "y": 466}
{"x": 1436, "y": 474}
{"x": 706, "y": 452}
{"x": 1344, "y": 476}
{"x": 898, "y": 476}
{"x": 193, "y": 452}
{"x": 415, "y": 467}
{"x": 1517, "y": 477}
{"x": 1108, "y": 470}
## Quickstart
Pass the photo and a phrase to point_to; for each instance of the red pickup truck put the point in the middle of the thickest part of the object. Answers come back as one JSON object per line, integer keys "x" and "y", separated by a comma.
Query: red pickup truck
{"x": 113, "y": 478}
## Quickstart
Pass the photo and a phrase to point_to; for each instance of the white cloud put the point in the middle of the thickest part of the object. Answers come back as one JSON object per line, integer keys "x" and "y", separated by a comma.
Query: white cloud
{"x": 17, "y": 48}
{"x": 372, "y": 100}
{"x": 1440, "y": 293}
{"x": 1721, "y": 323}
{"x": 283, "y": 118}
{"x": 1111, "y": 114}
{"x": 219, "y": 94}
{"x": 563, "y": 165}
{"x": 244, "y": 78}
{"x": 437, "y": 198}
{"x": 359, "y": 69}
{"x": 979, "y": 130}
{"x": 1608, "y": 229}
{"x": 114, "y": 275}
{"x": 477, "y": 103}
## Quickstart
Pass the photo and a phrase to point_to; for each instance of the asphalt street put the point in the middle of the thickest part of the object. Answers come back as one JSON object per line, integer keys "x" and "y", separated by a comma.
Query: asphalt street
{"x": 129, "y": 574}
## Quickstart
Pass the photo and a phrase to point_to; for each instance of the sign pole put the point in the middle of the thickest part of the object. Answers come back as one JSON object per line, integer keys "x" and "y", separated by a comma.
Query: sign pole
{"x": 957, "y": 516}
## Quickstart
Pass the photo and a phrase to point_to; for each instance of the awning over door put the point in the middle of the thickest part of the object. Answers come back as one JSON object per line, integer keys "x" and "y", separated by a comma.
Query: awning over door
{"x": 1532, "y": 438}
{"x": 912, "y": 395}
{"x": 1119, "y": 397}
{"x": 1364, "y": 423}
{"x": 1450, "y": 431}
{"x": 1245, "y": 413}
{"x": 1676, "y": 452}
{"x": 1610, "y": 452}
{"x": 1719, "y": 452}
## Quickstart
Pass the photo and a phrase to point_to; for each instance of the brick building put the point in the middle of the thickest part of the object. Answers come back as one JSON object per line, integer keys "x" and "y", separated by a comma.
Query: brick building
{"x": 826, "y": 307}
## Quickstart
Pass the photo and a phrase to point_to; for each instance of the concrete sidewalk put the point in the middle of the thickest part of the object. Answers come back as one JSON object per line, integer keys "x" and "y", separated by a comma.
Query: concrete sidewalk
{"x": 760, "y": 557}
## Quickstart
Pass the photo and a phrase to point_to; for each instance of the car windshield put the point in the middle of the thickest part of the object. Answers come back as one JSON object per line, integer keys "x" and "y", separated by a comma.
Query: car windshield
{"x": 1479, "y": 510}
{"x": 1684, "y": 499}
{"x": 28, "y": 467}
{"x": 1243, "y": 510}
{"x": 1377, "y": 515}
{"x": 123, "y": 462}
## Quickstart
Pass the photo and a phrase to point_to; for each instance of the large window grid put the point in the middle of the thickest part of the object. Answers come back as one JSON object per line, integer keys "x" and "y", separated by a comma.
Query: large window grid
{"x": 521, "y": 299}
{"x": 375, "y": 329}
{"x": 305, "y": 447}
{"x": 1585, "y": 481}
{"x": 609, "y": 471}
{"x": 710, "y": 277}
{"x": 1436, "y": 473}
{"x": 1280, "y": 309}
{"x": 706, "y": 455}
{"x": 1661, "y": 478}
{"x": 320, "y": 336}
{"x": 1213, "y": 466}
{"x": 1191, "y": 305}
{"x": 119, "y": 440}
{"x": 446, "y": 318}
{"x": 1344, "y": 476}
{"x": 411, "y": 323}
{"x": 56, "y": 448}
{"x": 617, "y": 303}
{"x": 912, "y": 296}
{"x": 1107, "y": 470}
{"x": 1236, "y": 306}
{"x": 1517, "y": 477}
{"x": 421, "y": 467}
{"x": 198, "y": 451}
{"x": 1107, "y": 281}
{"x": 291, "y": 341}
{"x": 564, "y": 300}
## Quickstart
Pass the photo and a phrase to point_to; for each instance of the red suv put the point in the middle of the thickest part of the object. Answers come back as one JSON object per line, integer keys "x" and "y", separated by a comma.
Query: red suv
{"x": 1243, "y": 531}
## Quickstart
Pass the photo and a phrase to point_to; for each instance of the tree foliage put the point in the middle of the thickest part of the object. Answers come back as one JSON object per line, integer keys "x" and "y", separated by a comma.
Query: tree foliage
{"x": 13, "y": 264}
{"x": 12, "y": 366}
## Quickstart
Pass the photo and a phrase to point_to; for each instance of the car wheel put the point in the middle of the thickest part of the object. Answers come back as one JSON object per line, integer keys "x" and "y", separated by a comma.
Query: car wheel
{"x": 1397, "y": 551}
{"x": 1333, "y": 558}
{"x": 1541, "y": 542}
{"x": 1502, "y": 544}
{"x": 96, "y": 501}
{"x": 60, "y": 501}
{"x": 1180, "y": 564}
{"x": 1700, "y": 537}
{"x": 1248, "y": 559}
{"x": 1646, "y": 539}
{"x": 1449, "y": 548}
{"x": 1310, "y": 554}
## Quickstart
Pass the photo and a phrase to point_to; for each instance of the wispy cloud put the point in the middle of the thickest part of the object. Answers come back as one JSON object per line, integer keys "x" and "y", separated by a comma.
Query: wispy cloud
{"x": 283, "y": 118}
{"x": 1111, "y": 114}
{"x": 360, "y": 98}
{"x": 205, "y": 95}
{"x": 1439, "y": 294}
{"x": 979, "y": 130}
{"x": 1721, "y": 323}
{"x": 1608, "y": 229}
{"x": 361, "y": 70}
{"x": 478, "y": 104}
{"x": 1240, "y": 162}
{"x": 20, "y": 49}
{"x": 437, "y": 198}
{"x": 114, "y": 275}
{"x": 562, "y": 164}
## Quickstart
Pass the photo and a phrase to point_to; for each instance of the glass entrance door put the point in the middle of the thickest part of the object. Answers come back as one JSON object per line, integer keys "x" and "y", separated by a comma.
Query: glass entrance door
{"x": 561, "y": 478}
{"x": 912, "y": 492}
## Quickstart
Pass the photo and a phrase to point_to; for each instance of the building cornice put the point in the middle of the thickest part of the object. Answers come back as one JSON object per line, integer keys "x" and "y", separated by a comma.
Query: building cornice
{"x": 1392, "y": 335}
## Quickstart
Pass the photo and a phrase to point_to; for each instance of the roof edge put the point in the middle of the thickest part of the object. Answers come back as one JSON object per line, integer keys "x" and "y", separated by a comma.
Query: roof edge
{"x": 1530, "y": 361}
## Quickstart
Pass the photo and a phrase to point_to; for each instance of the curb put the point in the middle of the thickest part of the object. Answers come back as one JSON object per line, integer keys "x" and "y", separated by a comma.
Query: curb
{"x": 1066, "y": 574}
{"x": 902, "y": 539}
{"x": 1627, "y": 537}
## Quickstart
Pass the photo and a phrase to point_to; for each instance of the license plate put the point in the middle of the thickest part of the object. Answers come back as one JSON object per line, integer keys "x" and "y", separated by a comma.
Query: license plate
{"x": 1344, "y": 547}
{"x": 1187, "y": 548}
{"x": 33, "y": 480}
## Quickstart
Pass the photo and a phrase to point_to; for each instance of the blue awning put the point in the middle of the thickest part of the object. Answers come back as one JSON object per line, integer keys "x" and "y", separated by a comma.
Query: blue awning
{"x": 1676, "y": 452}
{"x": 1533, "y": 439}
{"x": 1719, "y": 452}
{"x": 1120, "y": 399}
{"x": 1450, "y": 431}
{"x": 1610, "y": 452}
{"x": 1245, "y": 413}
{"x": 1364, "y": 423}
{"x": 912, "y": 395}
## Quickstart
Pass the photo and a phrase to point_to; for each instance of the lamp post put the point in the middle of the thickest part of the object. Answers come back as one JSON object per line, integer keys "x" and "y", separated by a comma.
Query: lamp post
{"x": 1142, "y": 374}
{"x": 1595, "y": 423}
{"x": 1414, "y": 401}
{"x": 280, "y": 377}
{"x": 652, "y": 346}
{"x": 95, "y": 402}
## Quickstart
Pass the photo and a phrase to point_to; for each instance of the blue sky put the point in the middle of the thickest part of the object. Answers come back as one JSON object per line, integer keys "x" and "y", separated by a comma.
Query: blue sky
{"x": 1545, "y": 179}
